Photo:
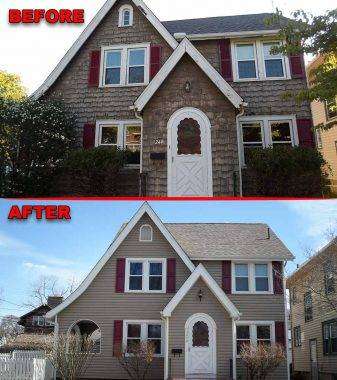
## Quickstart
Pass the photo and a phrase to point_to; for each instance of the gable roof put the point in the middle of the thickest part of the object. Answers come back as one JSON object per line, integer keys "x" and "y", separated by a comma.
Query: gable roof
{"x": 220, "y": 241}
{"x": 185, "y": 47}
{"x": 224, "y": 24}
{"x": 89, "y": 30}
{"x": 201, "y": 272}
{"x": 45, "y": 307}
{"x": 144, "y": 209}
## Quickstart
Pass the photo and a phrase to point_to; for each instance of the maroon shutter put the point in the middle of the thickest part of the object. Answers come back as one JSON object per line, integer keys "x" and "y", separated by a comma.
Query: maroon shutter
{"x": 305, "y": 133}
{"x": 88, "y": 136}
{"x": 280, "y": 336}
{"x": 227, "y": 277}
{"x": 120, "y": 275}
{"x": 297, "y": 67}
{"x": 118, "y": 338}
{"x": 225, "y": 59}
{"x": 95, "y": 58}
{"x": 278, "y": 277}
{"x": 171, "y": 276}
{"x": 155, "y": 60}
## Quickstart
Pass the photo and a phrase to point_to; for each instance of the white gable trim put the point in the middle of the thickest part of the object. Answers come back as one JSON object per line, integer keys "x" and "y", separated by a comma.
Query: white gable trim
{"x": 186, "y": 47}
{"x": 87, "y": 32}
{"x": 144, "y": 209}
{"x": 201, "y": 272}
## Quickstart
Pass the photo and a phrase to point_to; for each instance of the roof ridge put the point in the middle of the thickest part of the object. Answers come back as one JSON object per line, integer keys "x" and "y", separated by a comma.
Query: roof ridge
{"x": 243, "y": 223}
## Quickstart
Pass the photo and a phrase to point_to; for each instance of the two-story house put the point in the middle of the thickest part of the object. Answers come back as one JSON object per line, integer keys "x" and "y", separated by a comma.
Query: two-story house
{"x": 313, "y": 315}
{"x": 324, "y": 114}
{"x": 198, "y": 291}
{"x": 187, "y": 97}
{"x": 35, "y": 322}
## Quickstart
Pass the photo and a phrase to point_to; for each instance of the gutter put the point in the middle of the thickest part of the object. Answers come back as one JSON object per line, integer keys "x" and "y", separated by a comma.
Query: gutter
{"x": 238, "y": 133}
{"x": 216, "y": 36}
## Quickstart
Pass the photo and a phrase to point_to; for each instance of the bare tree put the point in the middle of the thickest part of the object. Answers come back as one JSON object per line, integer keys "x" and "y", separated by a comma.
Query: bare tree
{"x": 9, "y": 327}
{"x": 70, "y": 356}
{"x": 261, "y": 360}
{"x": 137, "y": 360}
{"x": 47, "y": 286}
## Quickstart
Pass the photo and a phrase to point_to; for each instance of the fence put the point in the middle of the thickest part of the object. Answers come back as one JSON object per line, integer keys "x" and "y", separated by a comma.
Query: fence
{"x": 29, "y": 365}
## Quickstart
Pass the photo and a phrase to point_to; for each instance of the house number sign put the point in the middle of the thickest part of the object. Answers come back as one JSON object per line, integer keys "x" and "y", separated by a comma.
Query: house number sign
{"x": 158, "y": 141}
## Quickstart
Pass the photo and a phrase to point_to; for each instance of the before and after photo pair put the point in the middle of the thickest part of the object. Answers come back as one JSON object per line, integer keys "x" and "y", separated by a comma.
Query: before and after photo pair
{"x": 168, "y": 190}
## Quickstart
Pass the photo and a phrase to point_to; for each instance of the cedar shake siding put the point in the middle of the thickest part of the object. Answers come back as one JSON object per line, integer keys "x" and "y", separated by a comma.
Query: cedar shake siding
{"x": 203, "y": 95}
{"x": 101, "y": 304}
{"x": 93, "y": 103}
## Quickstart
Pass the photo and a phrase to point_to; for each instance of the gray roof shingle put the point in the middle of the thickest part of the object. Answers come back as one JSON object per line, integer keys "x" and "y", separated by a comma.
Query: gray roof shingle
{"x": 225, "y": 24}
{"x": 211, "y": 241}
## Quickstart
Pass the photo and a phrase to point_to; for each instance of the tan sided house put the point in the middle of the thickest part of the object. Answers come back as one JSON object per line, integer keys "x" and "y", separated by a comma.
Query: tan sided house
{"x": 197, "y": 291}
{"x": 313, "y": 315}
{"x": 187, "y": 97}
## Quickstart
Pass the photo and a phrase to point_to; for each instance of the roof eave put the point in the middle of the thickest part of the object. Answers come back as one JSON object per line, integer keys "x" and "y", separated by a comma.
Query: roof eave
{"x": 215, "y": 36}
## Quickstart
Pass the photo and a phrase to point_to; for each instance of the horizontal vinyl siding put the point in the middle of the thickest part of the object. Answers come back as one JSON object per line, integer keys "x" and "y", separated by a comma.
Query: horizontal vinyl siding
{"x": 101, "y": 304}
{"x": 209, "y": 305}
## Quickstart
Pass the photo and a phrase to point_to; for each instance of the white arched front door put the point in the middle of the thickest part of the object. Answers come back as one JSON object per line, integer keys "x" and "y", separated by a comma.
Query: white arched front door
{"x": 200, "y": 345}
{"x": 189, "y": 170}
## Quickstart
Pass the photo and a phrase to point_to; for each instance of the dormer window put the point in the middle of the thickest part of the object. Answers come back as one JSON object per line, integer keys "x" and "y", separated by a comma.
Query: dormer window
{"x": 125, "y": 16}
{"x": 145, "y": 233}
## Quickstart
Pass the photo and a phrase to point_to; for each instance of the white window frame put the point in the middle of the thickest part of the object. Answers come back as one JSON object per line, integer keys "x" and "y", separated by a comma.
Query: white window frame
{"x": 121, "y": 11}
{"x": 39, "y": 319}
{"x": 143, "y": 334}
{"x": 283, "y": 60}
{"x": 253, "y": 332}
{"x": 140, "y": 233}
{"x": 146, "y": 274}
{"x": 251, "y": 278}
{"x": 266, "y": 121}
{"x": 125, "y": 49}
{"x": 259, "y": 60}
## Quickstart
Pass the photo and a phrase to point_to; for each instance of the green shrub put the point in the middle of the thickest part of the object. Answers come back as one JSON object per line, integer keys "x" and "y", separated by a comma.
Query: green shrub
{"x": 285, "y": 172}
{"x": 90, "y": 172}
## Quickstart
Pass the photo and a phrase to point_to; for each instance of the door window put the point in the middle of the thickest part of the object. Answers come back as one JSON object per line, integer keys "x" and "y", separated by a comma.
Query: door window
{"x": 200, "y": 334}
{"x": 189, "y": 137}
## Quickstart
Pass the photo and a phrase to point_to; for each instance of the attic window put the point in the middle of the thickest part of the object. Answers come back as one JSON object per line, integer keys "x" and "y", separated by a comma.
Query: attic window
{"x": 125, "y": 16}
{"x": 145, "y": 233}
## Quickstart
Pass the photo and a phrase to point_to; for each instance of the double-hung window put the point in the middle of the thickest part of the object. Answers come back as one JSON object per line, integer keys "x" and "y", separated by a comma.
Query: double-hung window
{"x": 330, "y": 337}
{"x": 331, "y": 108}
{"x": 246, "y": 61}
{"x": 254, "y": 333}
{"x": 329, "y": 280}
{"x": 252, "y": 278}
{"x": 146, "y": 275}
{"x": 40, "y": 320}
{"x": 273, "y": 63}
{"x": 297, "y": 336}
{"x": 267, "y": 131}
{"x": 308, "y": 308}
{"x": 121, "y": 134}
{"x": 136, "y": 332}
{"x": 125, "y": 65}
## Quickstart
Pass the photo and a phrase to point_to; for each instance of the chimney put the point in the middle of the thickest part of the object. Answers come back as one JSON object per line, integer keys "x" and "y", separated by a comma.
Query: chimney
{"x": 53, "y": 301}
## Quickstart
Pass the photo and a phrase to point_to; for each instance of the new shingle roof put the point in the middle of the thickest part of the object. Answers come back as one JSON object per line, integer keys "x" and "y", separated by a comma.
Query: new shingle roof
{"x": 225, "y": 24}
{"x": 211, "y": 241}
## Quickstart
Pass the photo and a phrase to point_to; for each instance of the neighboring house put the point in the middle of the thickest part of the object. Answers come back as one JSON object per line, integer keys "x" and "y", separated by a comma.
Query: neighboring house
{"x": 313, "y": 315}
{"x": 198, "y": 291}
{"x": 35, "y": 322}
{"x": 326, "y": 140}
{"x": 187, "y": 97}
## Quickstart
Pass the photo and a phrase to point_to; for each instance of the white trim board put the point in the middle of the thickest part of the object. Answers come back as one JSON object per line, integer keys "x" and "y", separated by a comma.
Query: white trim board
{"x": 87, "y": 33}
{"x": 216, "y": 36}
{"x": 186, "y": 47}
{"x": 201, "y": 272}
{"x": 144, "y": 209}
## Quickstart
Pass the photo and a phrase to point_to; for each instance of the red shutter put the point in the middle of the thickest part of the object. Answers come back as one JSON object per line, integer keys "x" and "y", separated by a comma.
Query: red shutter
{"x": 88, "y": 136}
{"x": 118, "y": 338}
{"x": 155, "y": 60}
{"x": 171, "y": 276}
{"x": 280, "y": 336}
{"x": 120, "y": 275}
{"x": 278, "y": 277}
{"x": 305, "y": 133}
{"x": 297, "y": 67}
{"x": 227, "y": 277}
{"x": 225, "y": 59}
{"x": 95, "y": 59}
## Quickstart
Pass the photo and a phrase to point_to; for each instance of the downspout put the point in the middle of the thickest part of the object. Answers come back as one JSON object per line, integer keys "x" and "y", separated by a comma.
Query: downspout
{"x": 238, "y": 133}
{"x": 286, "y": 322}
{"x": 141, "y": 149}
{"x": 234, "y": 348}
{"x": 166, "y": 358}
{"x": 56, "y": 335}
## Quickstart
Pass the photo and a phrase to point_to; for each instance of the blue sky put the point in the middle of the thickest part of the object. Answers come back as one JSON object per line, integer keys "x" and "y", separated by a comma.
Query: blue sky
{"x": 70, "y": 249}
